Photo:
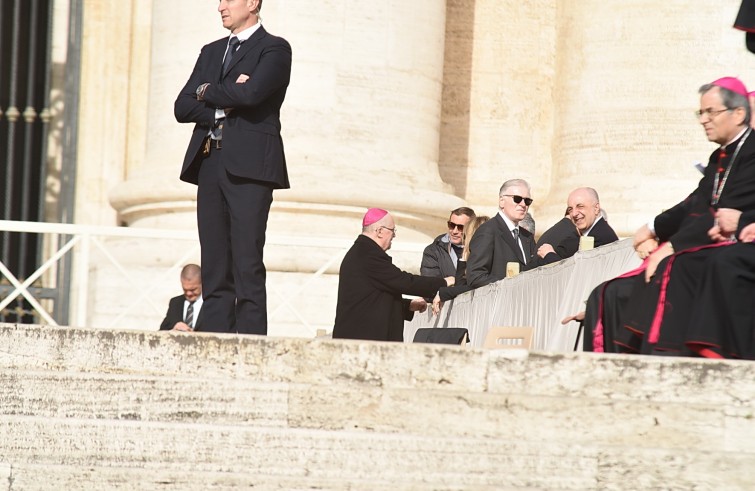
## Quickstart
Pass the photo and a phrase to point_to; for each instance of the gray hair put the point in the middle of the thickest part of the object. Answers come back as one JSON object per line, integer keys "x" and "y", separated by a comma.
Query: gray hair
{"x": 528, "y": 223}
{"x": 730, "y": 100}
{"x": 511, "y": 183}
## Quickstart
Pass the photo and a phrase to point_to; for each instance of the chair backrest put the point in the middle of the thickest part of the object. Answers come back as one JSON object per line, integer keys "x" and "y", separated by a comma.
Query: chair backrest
{"x": 508, "y": 338}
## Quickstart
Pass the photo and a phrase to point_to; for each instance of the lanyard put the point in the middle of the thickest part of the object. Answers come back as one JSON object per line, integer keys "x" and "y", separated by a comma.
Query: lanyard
{"x": 718, "y": 188}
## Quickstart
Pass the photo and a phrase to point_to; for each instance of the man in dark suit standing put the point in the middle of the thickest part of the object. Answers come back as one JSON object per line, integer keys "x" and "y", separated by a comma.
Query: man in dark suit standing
{"x": 586, "y": 217}
{"x": 370, "y": 305}
{"x": 500, "y": 240}
{"x": 236, "y": 158}
{"x": 185, "y": 311}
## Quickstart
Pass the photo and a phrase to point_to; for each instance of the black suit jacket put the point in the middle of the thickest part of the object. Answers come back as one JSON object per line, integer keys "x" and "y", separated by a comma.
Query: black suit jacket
{"x": 175, "y": 314}
{"x": 492, "y": 247}
{"x": 252, "y": 144}
{"x": 687, "y": 223}
{"x": 370, "y": 305}
{"x": 564, "y": 238}
{"x": 603, "y": 233}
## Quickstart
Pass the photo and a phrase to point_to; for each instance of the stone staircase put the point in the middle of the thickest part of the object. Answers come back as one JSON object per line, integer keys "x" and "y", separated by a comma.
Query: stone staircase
{"x": 88, "y": 409}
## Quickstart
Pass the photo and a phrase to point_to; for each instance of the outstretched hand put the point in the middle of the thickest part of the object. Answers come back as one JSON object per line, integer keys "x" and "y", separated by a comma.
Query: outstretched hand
{"x": 437, "y": 304}
{"x": 579, "y": 316}
{"x": 418, "y": 305}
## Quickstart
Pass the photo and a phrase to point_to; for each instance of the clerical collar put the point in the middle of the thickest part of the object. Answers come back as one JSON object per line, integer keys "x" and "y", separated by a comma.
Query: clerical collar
{"x": 739, "y": 135}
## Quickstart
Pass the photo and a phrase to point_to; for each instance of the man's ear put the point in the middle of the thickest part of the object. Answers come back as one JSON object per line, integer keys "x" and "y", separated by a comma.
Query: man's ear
{"x": 742, "y": 111}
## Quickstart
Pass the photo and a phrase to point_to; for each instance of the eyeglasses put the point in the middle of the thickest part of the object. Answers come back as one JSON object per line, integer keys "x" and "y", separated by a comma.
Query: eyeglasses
{"x": 452, "y": 226}
{"x": 710, "y": 113}
{"x": 518, "y": 199}
{"x": 393, "y": 230}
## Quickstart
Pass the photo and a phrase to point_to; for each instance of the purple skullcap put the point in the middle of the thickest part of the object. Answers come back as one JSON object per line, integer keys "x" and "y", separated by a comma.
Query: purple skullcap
{"x": 373, "y": 215}
{"x": 733, "y": 84}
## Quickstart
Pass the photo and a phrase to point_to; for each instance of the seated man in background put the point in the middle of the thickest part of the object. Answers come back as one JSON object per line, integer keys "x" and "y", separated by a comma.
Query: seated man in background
{"x": 583, "y": 209}
{"x": 184, "y": 310}
{"x": 370, "y": 286}
{"x": 501, "y": 240}
{"x": 441, "y": 257}
{"x": 621, "y": 312}
{"x": 695, "y": 294}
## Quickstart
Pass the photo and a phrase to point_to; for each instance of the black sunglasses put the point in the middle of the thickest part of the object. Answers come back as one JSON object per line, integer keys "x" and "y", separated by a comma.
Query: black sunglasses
{"x": 452, "y": 225}
{"x": 518, "y": 199}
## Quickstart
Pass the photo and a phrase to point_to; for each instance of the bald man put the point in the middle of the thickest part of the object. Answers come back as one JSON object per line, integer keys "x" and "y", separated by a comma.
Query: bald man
{"x": 370, "y": 287}
{"x": 584, "y": 212}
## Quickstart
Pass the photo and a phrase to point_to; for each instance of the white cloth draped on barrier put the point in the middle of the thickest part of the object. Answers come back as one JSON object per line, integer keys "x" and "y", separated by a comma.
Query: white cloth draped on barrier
{"x": 540, "y": 298}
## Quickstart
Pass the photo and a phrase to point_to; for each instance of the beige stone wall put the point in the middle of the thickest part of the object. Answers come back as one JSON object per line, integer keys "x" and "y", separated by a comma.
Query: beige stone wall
{"x": 498, "y": 101}
{"x": 83, "y": 409}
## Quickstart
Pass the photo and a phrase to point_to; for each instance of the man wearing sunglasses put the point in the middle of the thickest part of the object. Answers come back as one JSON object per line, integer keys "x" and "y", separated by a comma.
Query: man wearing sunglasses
{"x": 501, "y": 240}
{"x": 441, "y": 257}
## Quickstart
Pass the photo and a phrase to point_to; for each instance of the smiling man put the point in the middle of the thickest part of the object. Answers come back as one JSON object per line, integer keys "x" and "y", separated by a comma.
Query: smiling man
{"x": 442, "y": 256}
{"x": 501, "y": 240}
{"x": 583, "y": 213}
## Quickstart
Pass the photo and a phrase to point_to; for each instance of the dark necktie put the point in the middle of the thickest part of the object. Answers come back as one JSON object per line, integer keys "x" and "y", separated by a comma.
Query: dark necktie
{"x": 233, "y": 44}
{"x": 516, "y": 241}
{"x": 189, "y": 314}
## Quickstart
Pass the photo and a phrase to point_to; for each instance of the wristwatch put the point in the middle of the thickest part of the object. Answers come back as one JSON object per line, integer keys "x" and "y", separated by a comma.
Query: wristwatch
{"x": 200, "y": 91}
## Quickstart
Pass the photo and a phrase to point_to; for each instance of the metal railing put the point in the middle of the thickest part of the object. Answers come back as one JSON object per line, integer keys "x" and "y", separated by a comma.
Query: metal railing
{"x": 81, "y": 242}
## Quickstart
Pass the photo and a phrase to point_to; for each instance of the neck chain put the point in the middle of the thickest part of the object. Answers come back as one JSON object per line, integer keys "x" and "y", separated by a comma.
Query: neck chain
{"x": 718, "y": 187}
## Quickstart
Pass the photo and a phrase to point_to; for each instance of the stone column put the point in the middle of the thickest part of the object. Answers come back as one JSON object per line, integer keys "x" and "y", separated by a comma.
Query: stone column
{"x": 151, "y": 195}
{"x": 627, "y": 79}
{"x": 497, "y": 98}
{"x": 362, "y": 116}
{"x": 360, "y": 123}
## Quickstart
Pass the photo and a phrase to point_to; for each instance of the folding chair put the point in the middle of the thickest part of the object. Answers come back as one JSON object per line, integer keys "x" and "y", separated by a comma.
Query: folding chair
{"x": 508, "y": 338}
